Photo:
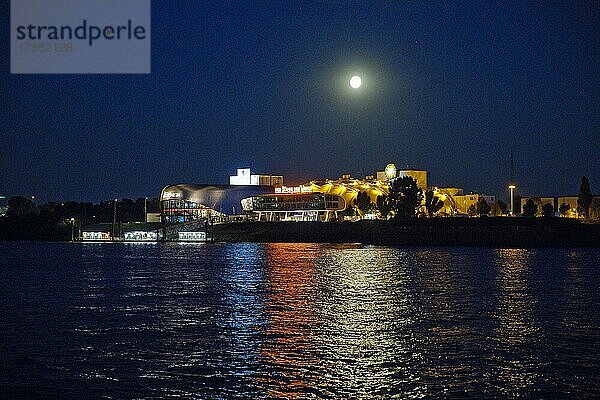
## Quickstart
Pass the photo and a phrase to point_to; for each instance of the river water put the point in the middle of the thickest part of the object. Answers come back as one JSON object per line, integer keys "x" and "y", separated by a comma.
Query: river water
{"x": 248, "y": 320}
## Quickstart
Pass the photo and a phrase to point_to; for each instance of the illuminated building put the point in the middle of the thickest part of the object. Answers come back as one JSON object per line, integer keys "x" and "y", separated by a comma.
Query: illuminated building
{"x": 245, "y": 177}
{"x": 540, "y": 202}
{"x": 571, "y": 201}
{"x": 295, "y": 206}
{"x": 418, "y": 175}
{"x": 96, "y": 236}
{"x": 184, "y": 202}
{"x": 463, "y": 202}
{"x": 192, "y": 237}
{"x": 392, "y": 172}
{"x": 556, "y": 202}
{"x": 348, "y": 188}
{"x": 153, "y": 217}
{"x": 264, "y": 197}
{"x": 141, "y": 236}
{"x": 448, "y": 195}
{"x": 129, "y": 232}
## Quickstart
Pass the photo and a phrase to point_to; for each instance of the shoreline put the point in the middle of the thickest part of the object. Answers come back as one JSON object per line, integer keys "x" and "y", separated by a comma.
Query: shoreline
{"x": 488, "y": 232}
{"x": 501, "y": 232}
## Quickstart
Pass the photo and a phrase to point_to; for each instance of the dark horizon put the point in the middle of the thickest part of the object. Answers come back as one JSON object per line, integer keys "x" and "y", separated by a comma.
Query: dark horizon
{"x": 450, "y": 88}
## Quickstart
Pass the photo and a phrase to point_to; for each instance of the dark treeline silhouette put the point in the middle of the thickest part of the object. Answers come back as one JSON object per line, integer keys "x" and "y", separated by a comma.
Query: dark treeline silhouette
{"x": 54, "y": 220}
{"x": 513, "y": 232}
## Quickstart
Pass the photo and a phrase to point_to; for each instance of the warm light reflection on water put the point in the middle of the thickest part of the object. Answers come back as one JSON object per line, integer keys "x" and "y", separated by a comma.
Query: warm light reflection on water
{"x": 247, "y": 320}
{"x": 516, "y": 334}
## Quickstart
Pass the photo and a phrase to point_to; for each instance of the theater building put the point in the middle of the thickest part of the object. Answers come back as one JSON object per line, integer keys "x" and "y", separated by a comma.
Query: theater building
{"x": 264, "y": 197}
{"x": 186, "y": 202}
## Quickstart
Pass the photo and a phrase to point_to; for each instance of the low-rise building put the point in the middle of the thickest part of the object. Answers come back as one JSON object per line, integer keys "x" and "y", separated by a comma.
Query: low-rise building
{"x": 97, "y": 233}
{"x": 540, "y": 201}
{"x": 391, "y": 172}
{"x": 142, "y": 231}
{"x": 570, "y": 210}
{"x": 246, "y": 177}
{"x": 571, "y": 202}
{"x": 463, "y": 202}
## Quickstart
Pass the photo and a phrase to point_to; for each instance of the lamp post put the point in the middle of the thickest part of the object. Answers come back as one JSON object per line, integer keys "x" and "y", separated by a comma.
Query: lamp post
{"x": 72, "y": 229}
{"x": 512, "y": 188}
{"x": 114, "y": 219}
{"x": 145, "y": 209}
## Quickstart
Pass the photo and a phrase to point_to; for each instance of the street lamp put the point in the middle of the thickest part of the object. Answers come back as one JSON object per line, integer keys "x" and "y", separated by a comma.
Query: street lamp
{"x": 512, "y": 188}
{"x": 114, "y": 219}
{"x": 145, "y": 209}
{"x": 72, "y": 229}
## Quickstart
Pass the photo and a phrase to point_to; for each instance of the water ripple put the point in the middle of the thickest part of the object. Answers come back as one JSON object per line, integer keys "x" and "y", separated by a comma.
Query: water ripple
{"x": 310, "y": 321}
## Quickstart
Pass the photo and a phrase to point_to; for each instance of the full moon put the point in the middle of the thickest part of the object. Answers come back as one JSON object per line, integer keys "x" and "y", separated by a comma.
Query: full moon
{"x": 355, "y": 82}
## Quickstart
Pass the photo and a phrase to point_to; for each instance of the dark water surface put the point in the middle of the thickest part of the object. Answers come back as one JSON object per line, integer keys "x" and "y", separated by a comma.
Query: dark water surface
{"x": 225, "y": 321}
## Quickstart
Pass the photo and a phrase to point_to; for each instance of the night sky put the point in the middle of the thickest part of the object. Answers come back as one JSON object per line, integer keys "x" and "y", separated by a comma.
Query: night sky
{"x": 450, "y": 88}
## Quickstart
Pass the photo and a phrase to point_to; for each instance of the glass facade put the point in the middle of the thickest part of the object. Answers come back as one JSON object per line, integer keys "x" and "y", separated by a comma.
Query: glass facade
{"x": 297, "y": 202}
{"x": 183, "y": 203}
{"x": 177, "y": 210}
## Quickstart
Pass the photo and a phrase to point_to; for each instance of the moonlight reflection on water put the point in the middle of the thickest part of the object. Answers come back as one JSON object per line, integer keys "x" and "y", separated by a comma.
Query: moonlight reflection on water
{"x": 297, "y": 321}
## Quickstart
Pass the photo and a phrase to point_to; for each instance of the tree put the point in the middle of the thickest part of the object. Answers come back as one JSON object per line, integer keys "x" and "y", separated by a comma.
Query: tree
{"x": 495, "y": 209}
{"x": 538, "y": 204}
{"x": 472, "y": 210}
{"x": 20, "y": 206}
{"x": 498, "y": 208}
{"x": 502, "y": 205}
{"x": 585, "y": 197}
{"x": 530, "y": 209}
{"x": 595, "y": 208}
{"x": 126, "y": 210}
{"x": 383, "y": 205}
{"x": 433, "y": 203}
{"x": 404, "y": 197}
{"x": 547, "y": 210}
{"x": 363, "y": 203}
{"x": 483, "y": 208}
{"x": 564, "y": 209}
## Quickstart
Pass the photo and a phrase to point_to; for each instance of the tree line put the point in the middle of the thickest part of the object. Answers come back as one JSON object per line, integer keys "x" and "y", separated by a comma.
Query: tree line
{"x": 588, "y": 206}
{"x": 54, "y": 220}
{"x": 406, "y": 200}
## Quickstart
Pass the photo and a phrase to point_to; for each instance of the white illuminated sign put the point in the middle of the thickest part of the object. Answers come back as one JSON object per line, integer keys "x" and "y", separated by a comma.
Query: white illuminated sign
{"x": 293, "y": 189}
{"x": 172, "y": 195}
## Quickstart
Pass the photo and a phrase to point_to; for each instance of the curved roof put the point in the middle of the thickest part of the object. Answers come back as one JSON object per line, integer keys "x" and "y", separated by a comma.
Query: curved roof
{"x": 349, "y": 188}
{"x": 221, "y": 198}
